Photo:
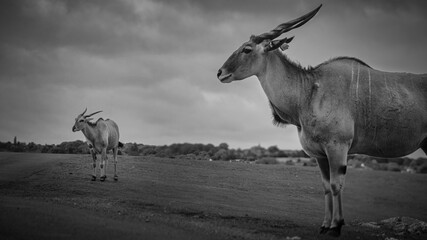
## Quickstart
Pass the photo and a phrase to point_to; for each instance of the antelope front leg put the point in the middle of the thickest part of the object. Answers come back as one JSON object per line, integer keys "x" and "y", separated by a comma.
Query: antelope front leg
{"x": 337, "y": 156}
{"x": 115, "y": 150}
{"x": 324, "y": 170}
{"x": 92, "y": 151}
{"x": 103, "y": 164}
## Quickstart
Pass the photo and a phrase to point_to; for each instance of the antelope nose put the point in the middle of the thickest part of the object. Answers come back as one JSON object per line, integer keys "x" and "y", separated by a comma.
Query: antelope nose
{"x": 219, "y": 73}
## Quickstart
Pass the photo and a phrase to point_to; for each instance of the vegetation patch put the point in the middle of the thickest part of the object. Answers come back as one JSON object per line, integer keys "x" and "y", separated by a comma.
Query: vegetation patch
{"x": 222, "y": 152}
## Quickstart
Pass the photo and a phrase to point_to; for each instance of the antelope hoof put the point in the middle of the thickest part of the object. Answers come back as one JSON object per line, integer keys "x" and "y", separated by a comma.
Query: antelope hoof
{"x": 93, "y": 178}
{"x": 103, "y": 178}
{"x": 323, "y": 230}
{"x": 336, "y": 231}
{"x": 116, "y": 178}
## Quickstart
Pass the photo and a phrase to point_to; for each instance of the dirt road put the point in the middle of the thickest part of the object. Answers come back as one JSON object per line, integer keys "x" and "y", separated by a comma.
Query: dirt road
{"x": 51, "y": 197}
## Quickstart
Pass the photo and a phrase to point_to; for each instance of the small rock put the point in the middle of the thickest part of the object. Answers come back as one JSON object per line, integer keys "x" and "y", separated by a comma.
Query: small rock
{"x": 399, "y": 227}
{"x": 391, "y": 220}
{"x": 370, "y": 225}
{"x": 293, "y": 238}
{"x": 417, "y": 227}
{"x": 403, "y": 225}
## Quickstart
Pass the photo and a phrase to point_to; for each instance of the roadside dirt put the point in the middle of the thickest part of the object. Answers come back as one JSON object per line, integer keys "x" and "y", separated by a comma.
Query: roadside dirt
{"x": 51, "y": 197}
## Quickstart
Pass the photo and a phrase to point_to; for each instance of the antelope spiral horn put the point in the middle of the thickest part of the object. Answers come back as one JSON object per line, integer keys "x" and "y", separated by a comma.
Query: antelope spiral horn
{"x": 89, "y": 115}
{"x": 285, "y": 27}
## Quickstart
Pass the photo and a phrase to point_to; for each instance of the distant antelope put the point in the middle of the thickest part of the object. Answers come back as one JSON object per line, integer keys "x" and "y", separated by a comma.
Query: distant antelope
{"x": 101, "y": 136}
{"x": 339, "y": 107}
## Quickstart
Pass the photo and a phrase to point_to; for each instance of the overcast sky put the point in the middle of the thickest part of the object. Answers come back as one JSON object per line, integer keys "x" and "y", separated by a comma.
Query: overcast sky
{"x": 151, "y": 65}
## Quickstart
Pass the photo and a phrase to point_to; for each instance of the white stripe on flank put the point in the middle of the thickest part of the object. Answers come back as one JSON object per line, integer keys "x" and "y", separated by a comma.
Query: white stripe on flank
{"x": 370, "y": 91}
{"x": 370, "y": 97}
{"x": 357, "y": 82}
{"x": 385, "y": 81}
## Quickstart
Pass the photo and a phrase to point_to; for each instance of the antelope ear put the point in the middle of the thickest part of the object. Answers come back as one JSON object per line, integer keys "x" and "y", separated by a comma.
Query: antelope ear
{"x": 284, "y": 47}
{"x": 88, "y": 119}
{"x": 282, "y": 43}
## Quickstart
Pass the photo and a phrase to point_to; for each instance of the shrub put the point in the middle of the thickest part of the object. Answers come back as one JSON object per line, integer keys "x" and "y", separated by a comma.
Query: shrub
{"x": 267, "y": 160}
{"x": 380, "y": 166}
{"x": 422, "y": 168}
{"x": 355, "y": 163}
{"x": 290, "y": 162}
{"x": 394, "y": 167}
{"x": 311, "y": 163}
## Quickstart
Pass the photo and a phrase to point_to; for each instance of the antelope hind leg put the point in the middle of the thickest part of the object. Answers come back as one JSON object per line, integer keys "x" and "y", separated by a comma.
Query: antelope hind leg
{"x": 115, "y": 150}
{"x": 324, "y": 170}
{"x": 103, "y": 165}
{"x": 337, "y": 156}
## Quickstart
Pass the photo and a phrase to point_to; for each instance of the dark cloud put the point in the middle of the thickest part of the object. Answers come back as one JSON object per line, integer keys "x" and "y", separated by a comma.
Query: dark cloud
{"x": 151, "y": 65}
{"x": 253, "y": 7}
{"x": 96, "y": 26}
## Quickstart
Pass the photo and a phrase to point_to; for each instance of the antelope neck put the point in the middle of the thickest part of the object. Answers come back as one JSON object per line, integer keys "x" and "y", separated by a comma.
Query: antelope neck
{"x": 284, "y": 83}
{"x": 89, "y": 132}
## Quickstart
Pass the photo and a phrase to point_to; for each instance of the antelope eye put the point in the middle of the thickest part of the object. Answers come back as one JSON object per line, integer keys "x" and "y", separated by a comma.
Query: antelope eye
{"x": 81, "y": 120}
{"x": 247, "y": 49}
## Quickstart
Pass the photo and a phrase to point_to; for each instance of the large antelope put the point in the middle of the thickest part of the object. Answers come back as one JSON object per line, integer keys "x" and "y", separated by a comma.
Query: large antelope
{"x": 101, "y": 136}
{"x": 340, "y": 107}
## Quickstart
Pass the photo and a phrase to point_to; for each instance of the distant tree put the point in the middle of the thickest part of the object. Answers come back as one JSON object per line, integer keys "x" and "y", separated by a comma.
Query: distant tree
{"x": 221, "y": 154}
{"x": 203, "y": 155}
{"x": 83, "y": 148}
{"x": 4, "y": 147}
{"x": 249, "y": 156}
{"x": 149, "y": 150}
{"x": 273, "y": 151}
{"x": 223, "y": 146}
{"x": 258, "y": 151}
{"x": 32, "y": 147}
{"x": 282, "y": 153}
{"x": 57, "y": 149}
{"x": 46, "y": 149}
{"x": 19, "y": 147}
{"x": 133, "y": 151}
{"x": 209, "y": 148}
{"x": 185, "y": 148}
